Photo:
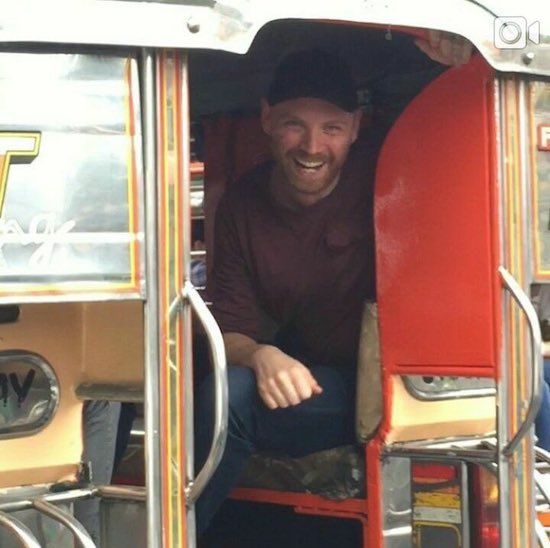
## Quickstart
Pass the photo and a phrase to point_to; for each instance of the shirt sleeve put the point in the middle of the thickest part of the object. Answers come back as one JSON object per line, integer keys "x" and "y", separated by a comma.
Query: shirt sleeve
{"x": 234, "y": 302}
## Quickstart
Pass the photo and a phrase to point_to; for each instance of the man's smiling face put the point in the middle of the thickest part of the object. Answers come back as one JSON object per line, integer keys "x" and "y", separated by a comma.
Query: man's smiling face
{"x": 310, "y": 141}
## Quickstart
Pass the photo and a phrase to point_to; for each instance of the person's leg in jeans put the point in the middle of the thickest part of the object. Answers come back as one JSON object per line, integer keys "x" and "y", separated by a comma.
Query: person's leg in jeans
{"x": 100, "y": 422}
{"x": 128, "y": 413}
{"x": 542, "y": 422}
{"x": 321, "y": 422}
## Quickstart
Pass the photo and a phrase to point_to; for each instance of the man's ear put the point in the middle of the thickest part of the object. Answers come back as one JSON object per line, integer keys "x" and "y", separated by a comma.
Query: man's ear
{"x": 265, "y": 117}
{"x": 357, "y": 115}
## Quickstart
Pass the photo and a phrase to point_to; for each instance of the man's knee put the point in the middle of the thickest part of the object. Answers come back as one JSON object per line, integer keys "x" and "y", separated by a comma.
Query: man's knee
{"x": 242, "y": 391}
{"x": 242, "y": 397}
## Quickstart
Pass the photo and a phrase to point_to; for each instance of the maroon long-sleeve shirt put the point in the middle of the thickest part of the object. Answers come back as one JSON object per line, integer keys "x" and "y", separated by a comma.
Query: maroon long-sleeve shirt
{"x": 310, "y": 270}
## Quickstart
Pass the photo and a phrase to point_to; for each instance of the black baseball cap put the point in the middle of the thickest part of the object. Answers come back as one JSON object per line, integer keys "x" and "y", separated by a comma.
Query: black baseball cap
{"x": 313, "y": 73}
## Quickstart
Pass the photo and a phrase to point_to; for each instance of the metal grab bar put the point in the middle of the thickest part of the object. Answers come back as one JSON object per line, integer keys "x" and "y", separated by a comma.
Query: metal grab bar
{"x": 122, "y": 492}
{"x": 195, "y": 488}
{"x": 542, "y": 537}
{"x": 80, "y": 534}
{"x": 62, "y": 496}
{"x": 537, "y": 372}
{"x": 20, "y": 530}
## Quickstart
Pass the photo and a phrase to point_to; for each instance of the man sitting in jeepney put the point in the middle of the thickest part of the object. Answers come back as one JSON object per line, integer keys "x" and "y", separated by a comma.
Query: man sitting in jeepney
{"x": 294, "y": 240}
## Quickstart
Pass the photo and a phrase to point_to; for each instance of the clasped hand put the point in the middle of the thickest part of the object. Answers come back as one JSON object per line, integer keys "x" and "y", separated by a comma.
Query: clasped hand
{"x": 282, "y": 381}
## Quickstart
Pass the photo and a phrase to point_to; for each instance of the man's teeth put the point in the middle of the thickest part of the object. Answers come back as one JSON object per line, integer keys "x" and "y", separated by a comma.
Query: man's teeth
{"x": 310, "y": 165}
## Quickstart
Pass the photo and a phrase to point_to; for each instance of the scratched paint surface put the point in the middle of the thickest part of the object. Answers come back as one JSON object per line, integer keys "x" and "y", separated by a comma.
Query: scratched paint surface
{"x": 70, "y": 207}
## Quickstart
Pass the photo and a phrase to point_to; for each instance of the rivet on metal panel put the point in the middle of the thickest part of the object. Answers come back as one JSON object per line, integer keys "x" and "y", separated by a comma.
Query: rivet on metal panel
{"x": 528, "y": 58}
{"x": 193, "y": 25}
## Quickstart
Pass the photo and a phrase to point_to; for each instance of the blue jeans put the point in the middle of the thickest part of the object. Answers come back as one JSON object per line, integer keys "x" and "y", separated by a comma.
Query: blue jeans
{"x": 542, "y": 422}
{"x": 321, "y": 422}
{"x": 100, "y": 424}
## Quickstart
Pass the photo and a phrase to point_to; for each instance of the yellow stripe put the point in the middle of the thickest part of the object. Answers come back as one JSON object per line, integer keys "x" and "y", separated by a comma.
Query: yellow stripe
{"x": 511, "y": 209}
{"x": 69, "y": 288}
{"x": 130, "y": 162}
{"x": 518, "y": 384}
{"x": 178, "y": 280}
{"x": 165, "y": 295}
{"x": 174, "y": 437}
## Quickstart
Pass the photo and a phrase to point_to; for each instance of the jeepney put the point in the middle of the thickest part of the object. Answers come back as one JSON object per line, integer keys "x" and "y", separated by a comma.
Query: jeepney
{"x": 121, "y": 124}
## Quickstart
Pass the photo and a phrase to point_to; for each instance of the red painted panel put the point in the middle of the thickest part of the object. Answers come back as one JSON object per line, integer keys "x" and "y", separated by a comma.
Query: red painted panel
{"x": 435, "y": 216}
{"x": 233, "y": 145}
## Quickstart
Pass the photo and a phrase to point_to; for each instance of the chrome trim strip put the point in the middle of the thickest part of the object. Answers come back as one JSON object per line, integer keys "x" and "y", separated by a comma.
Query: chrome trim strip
{"x": 152, "y": 343}
{"x": 542, "y": 536}
{"x": 465, "y": 505}
{"x": 412, "y": 383}
{"x": 215, "y": 339}
{"x": 24, "y": 497}
{"x": 232, "y": 25}
{"x": 537, "y": 371}
{"x": 537, "y": 376}
{"x": 113, "y": 392}
{"x": 443, "y": 454}
{"x": 542, "y": 486}
{"x": 80, "y": 534}
{"x": 485, "y": 440}
{"x": 20, "y": 530}
{"x": 396, "y": 501}
{"x": 479, "y": 449}
{"x": 25, "y": 501}
{"x": 70, "y": 298}
{"x": 503, "y": 384}
{"x": 39, "y": 362}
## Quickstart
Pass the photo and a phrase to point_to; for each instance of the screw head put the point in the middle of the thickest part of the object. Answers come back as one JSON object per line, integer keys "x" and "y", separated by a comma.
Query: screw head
{"x": 528, "y": 58}
{"x": 193, "y": 25}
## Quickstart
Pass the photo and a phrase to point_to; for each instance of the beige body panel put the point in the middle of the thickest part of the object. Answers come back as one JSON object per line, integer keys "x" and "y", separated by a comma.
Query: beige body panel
{"x": 53, "y": 454}
{"x": 91, "y": 342}
{"x": 112, "y": 346}
{"x": 413, "y": 419}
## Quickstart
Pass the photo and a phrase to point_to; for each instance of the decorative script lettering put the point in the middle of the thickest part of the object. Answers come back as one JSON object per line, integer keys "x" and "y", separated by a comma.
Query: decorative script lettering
{"x": 42, "y": 231}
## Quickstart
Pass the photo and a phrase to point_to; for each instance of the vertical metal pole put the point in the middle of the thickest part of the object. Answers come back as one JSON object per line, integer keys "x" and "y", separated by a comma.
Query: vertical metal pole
{"x": 187, "y": 311}
{"x": 152, "y": 353}
{"x": 466, "y": 506}
{"x": 536, "y": 384}
{"x": 503, "y": 385}
{"x": 515, "y": 470}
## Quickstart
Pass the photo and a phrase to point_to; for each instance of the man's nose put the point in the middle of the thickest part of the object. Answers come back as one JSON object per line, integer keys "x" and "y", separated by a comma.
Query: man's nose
{"x": 312, "y": 141}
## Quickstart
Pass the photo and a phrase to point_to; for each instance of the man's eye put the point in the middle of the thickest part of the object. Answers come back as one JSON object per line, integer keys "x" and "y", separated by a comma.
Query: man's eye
{"x": 293, "y": 124}
{"x": 333, "y": 129}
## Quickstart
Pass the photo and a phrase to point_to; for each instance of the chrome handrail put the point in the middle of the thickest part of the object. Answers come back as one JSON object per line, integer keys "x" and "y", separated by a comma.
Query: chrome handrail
{"x": 195, "y": 488}
{"x": 61, "y": 496}
{"x": 542, "y": 536}
{"x": 537, "y": 372}
{"x": 20, "y": 530}
{"x": 80, "y": 534}
{"x": 124, "y": 492}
